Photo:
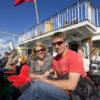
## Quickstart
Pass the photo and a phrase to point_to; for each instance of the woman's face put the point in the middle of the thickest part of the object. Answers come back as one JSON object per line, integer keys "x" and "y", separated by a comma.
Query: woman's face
{"x": 40, "y": 52}
{"x": 19, "y": 59}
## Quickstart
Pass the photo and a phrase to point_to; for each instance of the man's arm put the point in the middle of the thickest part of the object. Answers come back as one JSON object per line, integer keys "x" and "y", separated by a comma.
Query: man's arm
{"x": 69, "y": 84}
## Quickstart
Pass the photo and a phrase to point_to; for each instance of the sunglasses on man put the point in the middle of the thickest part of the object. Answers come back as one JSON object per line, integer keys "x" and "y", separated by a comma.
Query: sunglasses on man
{"x": 57, "y": 43}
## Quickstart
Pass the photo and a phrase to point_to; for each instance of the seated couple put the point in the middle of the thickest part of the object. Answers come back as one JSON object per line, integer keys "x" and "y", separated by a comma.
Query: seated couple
{"x": 66, "y": 63}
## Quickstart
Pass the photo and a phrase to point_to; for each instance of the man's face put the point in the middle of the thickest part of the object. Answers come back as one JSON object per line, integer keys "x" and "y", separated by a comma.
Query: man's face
{"x": 59, "y": 45}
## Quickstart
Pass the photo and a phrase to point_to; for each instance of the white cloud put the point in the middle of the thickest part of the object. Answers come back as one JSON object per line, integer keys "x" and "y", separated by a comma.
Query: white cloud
{"x": 1, "y": 41}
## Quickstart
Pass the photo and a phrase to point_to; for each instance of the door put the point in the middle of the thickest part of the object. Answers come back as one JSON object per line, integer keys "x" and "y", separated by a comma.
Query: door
{"x": 74, "y": 45}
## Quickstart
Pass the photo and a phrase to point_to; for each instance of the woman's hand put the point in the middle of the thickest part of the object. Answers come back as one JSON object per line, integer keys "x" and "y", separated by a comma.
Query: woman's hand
{"x": 37, "y": 77}
{"x": 46, "y": 74}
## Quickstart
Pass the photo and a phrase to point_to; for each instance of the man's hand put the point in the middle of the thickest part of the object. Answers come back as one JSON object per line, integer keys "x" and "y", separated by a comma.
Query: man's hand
{"x": 37, "y": 77}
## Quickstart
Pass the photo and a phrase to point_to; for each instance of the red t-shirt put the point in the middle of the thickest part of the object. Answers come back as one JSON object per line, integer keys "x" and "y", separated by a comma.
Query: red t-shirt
{"x": 71, "y": 61}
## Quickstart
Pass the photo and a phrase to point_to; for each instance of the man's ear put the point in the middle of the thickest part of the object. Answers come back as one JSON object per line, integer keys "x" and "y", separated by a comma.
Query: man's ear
{"x": 66, "y": 43}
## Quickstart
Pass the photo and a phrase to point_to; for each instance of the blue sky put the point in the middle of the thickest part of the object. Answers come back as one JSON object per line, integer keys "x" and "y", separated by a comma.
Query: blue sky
{"x": 19, "y": 19}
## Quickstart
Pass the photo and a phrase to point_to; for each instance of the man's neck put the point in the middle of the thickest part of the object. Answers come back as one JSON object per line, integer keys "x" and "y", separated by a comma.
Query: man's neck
{"x": 66, "y": 49}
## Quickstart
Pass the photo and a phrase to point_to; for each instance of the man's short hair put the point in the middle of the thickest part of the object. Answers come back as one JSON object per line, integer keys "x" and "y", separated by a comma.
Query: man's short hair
{"x": 59, "y": 34}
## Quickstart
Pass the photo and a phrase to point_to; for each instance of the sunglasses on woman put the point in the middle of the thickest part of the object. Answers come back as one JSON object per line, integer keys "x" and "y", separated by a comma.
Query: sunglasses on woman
{"x": 40, "y": 50}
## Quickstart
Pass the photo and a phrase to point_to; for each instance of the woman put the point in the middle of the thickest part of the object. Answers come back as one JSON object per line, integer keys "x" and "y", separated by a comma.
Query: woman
{"x": 23, "y": 77}
{"x": 41, "y": 64}
{"x": 39, "y": 68}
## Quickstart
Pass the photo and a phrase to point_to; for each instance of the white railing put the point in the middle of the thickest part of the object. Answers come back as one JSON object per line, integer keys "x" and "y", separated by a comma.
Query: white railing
{"x": 78, "y": 12}
{"x": 97, "y": 16}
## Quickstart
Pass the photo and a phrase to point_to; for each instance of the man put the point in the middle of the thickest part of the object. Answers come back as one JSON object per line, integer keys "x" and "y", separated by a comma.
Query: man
{"x": 86, "y": 61}
{"x": 66, "y": 63}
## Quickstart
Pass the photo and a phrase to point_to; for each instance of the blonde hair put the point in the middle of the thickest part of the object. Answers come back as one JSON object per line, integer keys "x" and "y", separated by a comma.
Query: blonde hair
{"x": 24, "y": 59}
{"x": 40, "y": 44}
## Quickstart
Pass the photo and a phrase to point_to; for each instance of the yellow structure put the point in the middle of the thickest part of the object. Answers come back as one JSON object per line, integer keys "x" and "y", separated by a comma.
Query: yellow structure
{"x": 48, "y": 26}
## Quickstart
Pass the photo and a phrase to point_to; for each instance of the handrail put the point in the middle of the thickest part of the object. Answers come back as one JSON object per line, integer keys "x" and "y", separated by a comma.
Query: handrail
{"x": 79, "y": 12}
{"x": 64, "y": 18}
{"x": 91, "y": 52}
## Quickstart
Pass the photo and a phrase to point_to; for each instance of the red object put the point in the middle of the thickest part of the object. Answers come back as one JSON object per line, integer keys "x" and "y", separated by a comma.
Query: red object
{"x": 69, "y": 62}
{"x": 17, "y": 2}
{"x": 22, "y": 78}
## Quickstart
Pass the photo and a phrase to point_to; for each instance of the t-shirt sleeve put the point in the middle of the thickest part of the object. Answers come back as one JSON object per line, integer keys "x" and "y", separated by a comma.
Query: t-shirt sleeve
{"x": 76, "y": 63}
